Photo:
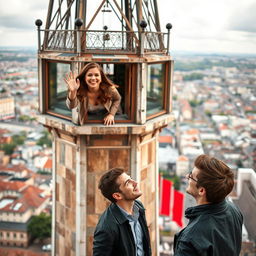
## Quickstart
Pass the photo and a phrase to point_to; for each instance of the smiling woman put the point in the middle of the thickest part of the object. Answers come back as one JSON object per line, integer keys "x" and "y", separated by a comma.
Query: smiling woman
{"x": 91, "y": 94}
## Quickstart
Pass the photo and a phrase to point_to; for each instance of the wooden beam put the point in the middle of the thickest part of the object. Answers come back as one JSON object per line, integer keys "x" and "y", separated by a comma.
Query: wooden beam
{"x": 48, "y": 22}
{"x": 158, "y": 27}
{"x": 127, "y": 21}
{"x": 94, "y": 16}
{"x": 139, "y": 13}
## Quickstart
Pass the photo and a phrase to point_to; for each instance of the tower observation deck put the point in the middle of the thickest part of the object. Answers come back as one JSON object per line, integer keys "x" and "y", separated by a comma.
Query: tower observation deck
{"x": 125, "y": 38}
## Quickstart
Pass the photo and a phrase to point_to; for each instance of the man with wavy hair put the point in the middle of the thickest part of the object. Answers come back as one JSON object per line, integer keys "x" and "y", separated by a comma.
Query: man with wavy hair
{"x": 122, "y": 229}
{"x": 215, "y": 224}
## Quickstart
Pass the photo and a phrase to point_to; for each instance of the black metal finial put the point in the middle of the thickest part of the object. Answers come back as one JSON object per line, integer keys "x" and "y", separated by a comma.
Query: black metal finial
{"x": 105, "y": 28}
{"x": 143, "y": 24}
{"x": 38, "y": 22}
{"x": 79, "y": 22}
{"x": 169, "y": 26}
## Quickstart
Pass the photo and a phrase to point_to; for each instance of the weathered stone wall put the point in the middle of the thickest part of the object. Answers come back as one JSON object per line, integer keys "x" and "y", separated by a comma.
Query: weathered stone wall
{"x": 103, "y": 153}
{"x": 95, "y": 155}
{"x": 65, "y": 205}
{"x": 148, "y": 182}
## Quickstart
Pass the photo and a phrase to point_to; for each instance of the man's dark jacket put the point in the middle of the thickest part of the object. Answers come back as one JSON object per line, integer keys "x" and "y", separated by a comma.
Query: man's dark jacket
{"x": 213, "y": 230}
{"x": 113, "y": 235}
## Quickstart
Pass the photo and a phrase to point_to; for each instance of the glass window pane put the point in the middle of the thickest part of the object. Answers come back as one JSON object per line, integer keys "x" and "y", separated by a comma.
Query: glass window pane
{"x": 57, "y": 88}
{"x": 155, "y": 88}
{"x": 117, "y": 74}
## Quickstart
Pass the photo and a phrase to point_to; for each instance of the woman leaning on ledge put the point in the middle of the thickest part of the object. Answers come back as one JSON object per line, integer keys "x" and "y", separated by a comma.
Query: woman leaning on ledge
{"x": 92, "y": 93}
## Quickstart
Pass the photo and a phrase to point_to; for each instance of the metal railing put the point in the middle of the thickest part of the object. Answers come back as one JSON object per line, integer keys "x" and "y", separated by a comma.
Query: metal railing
{"x": 59, "y": 40}
{"x": 102, "y": 41}
{"x": 155, "y": 42}
{"x": 109, "y": 41}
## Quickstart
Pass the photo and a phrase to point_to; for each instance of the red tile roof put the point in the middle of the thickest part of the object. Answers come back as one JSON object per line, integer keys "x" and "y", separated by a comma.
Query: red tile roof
{"x": 192, "y": 131}
{"x": 182, "y": 158}
{"x": 32, "y": 196}
{"x": 29, "y": 196}
{"x": 18, "y": 251}
{"x": 48, "y": 164}
{"x": 223, "y": 127}
{"x": 11, "y": 185}
{"x": 15, "y": 168}
{"x": 3, "y": 131}
{"x": 165, "y": 139}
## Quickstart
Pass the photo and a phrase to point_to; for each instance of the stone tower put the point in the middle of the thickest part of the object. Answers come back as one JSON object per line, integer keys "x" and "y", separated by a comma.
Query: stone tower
{"x": 123, "y": 36}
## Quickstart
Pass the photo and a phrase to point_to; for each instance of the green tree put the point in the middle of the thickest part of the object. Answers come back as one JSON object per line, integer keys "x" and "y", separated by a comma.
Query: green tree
{"x": 40, "y": 226}
{"x": 8, "y": 148}
{"x": 239, "y": 163}
{"x": 208, "y": 113}
{"x": 194, "y": 103}
{"x": 18, "y": 139}
{"x": 25, "y": 118}
{"x": 176, "y": 182}
{"x": 174, "y": 178}
{"x": 193, "y": 76}
{"x": 45, "y": 140}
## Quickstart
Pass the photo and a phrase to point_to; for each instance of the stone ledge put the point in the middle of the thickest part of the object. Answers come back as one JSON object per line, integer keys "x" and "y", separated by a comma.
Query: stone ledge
{"x": 99, "y": 129}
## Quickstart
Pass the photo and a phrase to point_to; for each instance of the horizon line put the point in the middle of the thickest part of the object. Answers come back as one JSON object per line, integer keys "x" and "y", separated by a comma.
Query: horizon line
{"x": 172, "y": 52}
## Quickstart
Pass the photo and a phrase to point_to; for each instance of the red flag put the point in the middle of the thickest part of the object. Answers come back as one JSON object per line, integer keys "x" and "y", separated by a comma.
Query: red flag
{"x": 166, "y": 192}
{"x": 178, "y": 208}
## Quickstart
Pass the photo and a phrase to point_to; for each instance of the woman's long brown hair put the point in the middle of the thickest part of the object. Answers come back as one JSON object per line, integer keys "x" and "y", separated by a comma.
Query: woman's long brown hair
{"x": 105, "y": 85}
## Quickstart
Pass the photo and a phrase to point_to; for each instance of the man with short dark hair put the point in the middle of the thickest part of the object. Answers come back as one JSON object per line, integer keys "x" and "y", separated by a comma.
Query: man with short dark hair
{"x": 122, "y": 229}
{"x": 215, "y": 224}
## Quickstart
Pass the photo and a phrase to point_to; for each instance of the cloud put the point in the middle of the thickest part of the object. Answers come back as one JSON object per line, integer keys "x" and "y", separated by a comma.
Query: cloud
{"x": 198, "y": 25}
{"x": 243, "y": 19}
{"x": 16, "y": 22}
{"x": 21, "y": 15}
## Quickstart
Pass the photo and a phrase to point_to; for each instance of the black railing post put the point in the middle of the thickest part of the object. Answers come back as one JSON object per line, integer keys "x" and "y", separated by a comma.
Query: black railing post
{"x": 78, "y": 24}
{"x": 143, "y": 25}
{"x": 105, "y": 35}
{"x": 168, "y": 26}
{"x": 38, "y": 23}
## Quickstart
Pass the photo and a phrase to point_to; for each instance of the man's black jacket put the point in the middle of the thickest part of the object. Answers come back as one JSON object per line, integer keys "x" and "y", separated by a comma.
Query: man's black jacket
{"x": 213, "y": 230}
{"x": 113, "y": 235}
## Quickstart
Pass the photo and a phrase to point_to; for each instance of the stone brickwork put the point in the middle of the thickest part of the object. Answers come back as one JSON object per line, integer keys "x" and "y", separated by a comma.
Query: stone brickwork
{"x": 148, "y": 179}
{"x": 103, "y": 153}
{"x": 99, "y": 154}
{"x": 65, "y": 194}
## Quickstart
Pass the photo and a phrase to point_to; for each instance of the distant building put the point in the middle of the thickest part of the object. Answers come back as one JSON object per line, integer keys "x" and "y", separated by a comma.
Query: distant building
{"x": 186, "y": 110}
{"x": 182, "y": 165}
{"x": 23, "y": 108}
{"x": 211, "y": 105}
{"x": 224, "y": 130}
{"x": 165, "y": 140}
{"x": 5, "y": 137}
{"x": 43, "y": 163}
{"x": 190, "y": 143}
{"x": 18, "y": 203}
{"x": 209, "y": 136}
{"x": 246, "y": 201}
{"x": 17, "y": 172}
{"x": 167, "y": 157}
{"x": 4, "y": 159}
{"x": 29, "y": 150}
{"x": 7, "y": 108}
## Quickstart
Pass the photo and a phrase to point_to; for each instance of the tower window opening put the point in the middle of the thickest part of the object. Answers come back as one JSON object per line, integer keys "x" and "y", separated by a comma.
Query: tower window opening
{"x": 122, "y": 74}
{"x": 156, "y": 89}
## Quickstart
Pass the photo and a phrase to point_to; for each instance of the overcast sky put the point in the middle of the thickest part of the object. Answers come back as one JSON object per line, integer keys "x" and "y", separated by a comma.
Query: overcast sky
{"x": 219, "y": 26}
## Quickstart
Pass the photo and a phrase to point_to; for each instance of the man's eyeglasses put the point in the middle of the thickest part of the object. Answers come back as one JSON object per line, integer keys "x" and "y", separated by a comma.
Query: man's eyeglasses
{"x": 191, "y": 177}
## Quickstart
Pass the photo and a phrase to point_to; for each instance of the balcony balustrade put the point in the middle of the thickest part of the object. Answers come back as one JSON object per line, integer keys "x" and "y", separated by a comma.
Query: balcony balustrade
{"x": 103, "y": 41}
